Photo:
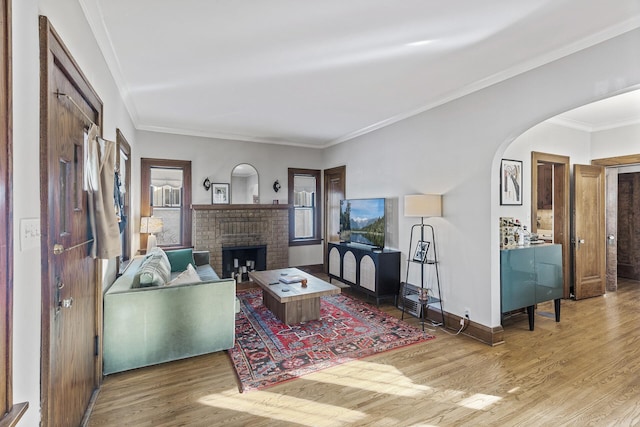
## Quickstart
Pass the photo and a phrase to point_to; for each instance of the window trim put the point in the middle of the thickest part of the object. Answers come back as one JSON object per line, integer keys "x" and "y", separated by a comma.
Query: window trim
{"x": 145, "y": 203}
{"x": 123, "y": 146}
{"x": 316, "y": 239}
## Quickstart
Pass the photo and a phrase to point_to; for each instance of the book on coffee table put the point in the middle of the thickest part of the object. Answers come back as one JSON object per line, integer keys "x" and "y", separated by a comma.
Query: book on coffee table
{"x": 291, "y": 279}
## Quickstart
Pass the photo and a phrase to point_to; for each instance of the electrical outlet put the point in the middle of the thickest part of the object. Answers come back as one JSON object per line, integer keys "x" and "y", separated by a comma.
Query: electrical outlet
{"x": 467, "y": 313}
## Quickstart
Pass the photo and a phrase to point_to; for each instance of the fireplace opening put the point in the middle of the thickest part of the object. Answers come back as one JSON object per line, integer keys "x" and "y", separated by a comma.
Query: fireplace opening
{"x": 240, "y": 260}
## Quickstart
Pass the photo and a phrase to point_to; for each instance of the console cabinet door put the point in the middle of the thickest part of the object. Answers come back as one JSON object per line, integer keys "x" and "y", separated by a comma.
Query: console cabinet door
{"x": 517, "y": 275}
{"x": 349, "y": 267}
{"x": 334, "y": 262}
{"x": 368, "y": 273}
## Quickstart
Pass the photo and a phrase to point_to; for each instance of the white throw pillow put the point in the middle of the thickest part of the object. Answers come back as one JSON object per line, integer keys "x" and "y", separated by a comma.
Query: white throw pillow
{"x": 190, "y": 275}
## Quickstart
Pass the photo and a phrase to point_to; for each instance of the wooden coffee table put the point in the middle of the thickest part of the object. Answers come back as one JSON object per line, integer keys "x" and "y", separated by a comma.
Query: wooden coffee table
{"x": 295, "y": 304}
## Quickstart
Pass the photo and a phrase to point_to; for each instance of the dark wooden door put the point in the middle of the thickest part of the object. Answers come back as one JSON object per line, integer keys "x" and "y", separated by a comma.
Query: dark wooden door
{"x": 70, "y": 297}
{"x": 629, "y": 225}
{"x": 589, "y": 253}
{"x": 334, "y": 190}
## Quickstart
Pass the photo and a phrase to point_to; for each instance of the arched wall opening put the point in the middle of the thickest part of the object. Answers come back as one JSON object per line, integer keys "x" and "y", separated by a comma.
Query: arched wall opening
{"x": 581, "y": 146}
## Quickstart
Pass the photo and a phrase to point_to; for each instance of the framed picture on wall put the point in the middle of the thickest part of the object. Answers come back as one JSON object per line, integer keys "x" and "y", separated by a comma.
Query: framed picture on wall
{"x": 510, "y": 182}
{"x": 220, "y": 194}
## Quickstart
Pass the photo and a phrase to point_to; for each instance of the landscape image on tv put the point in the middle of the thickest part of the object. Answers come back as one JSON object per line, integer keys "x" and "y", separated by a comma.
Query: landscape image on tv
{"x": 362, "y": 221}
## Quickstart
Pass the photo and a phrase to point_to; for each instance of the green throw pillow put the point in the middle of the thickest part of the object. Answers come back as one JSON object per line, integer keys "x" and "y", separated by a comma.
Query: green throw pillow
{"x": 180, "y": 259}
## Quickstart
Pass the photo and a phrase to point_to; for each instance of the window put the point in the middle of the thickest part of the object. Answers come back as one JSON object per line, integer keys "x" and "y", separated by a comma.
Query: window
{"x": 304, "y": 196}
{"x": 123, "y": 169}
{"x": 167, "y": 196}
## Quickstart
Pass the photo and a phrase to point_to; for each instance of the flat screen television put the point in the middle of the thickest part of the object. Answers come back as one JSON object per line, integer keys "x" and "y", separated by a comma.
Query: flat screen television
{"x": 363, "y": 221}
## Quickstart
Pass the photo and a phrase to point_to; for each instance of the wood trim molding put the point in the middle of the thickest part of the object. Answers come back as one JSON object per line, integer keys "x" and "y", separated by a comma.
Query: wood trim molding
{"x": 10, "y": 413}
{"x": 617, "y": 161}
{"x": 123, "y": 146}
{"x": 491, "y": 336}
{"x": 561, "y": 213}
{"x": 145, "y": 203}
{"x": 238, "y": 206}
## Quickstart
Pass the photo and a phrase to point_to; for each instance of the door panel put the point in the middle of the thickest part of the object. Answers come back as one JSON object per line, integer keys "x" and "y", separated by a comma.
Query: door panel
{"x": 334, "y": 190}
{"x": 70, "y": 297}
{"x": 629, "y": 226}
{"x": 611, "y": 178}
{"x": 589, "y": 231}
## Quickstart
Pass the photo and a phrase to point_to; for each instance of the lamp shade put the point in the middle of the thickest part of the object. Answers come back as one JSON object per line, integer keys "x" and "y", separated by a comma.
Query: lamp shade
{"x": 423, "y": 205}
{"x": 150, "y": 224}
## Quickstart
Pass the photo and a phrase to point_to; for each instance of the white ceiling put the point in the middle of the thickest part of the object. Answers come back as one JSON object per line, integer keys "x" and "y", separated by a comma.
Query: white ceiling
{"x": 321, "y": 72}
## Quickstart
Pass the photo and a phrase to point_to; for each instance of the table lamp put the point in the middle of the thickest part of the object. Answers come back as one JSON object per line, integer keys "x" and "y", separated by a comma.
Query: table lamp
{"x": 151, "y": 225}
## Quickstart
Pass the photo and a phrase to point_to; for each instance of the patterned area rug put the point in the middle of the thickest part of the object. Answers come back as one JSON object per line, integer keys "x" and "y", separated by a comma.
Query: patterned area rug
{"x": 268, "y": 352}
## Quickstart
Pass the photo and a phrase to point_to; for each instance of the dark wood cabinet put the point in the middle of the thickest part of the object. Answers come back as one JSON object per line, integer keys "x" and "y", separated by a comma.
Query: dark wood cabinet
{"x": 374, "y": 272}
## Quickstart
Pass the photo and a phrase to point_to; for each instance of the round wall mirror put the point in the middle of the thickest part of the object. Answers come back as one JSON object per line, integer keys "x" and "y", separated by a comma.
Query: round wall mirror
{"x": 244, "y": 185}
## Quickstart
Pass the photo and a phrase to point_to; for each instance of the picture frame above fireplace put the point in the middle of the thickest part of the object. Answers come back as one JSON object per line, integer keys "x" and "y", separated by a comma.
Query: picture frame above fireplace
{"x": 220, "y": 194}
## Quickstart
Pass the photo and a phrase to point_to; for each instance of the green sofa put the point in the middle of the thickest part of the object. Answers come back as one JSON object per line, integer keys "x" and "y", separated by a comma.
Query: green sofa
{"x": 149, "y": 325}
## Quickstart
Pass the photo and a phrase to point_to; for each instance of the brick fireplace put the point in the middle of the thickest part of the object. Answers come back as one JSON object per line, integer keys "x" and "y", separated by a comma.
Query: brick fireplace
{"x": 227, "y": 226}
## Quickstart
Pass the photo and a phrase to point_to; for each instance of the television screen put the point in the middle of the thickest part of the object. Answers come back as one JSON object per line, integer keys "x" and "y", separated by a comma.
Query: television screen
{"x": 362, "y": 221}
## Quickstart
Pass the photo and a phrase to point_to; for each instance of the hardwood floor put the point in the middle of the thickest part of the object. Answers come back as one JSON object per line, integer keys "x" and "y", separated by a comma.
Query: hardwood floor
{"x": 582, "y": 371}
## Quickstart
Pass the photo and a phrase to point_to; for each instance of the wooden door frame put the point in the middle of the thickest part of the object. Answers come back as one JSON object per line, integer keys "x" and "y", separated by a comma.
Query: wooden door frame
{"x": 123, "y": 146}
{"x": 561, "y": 209}
{"x": 50, "y": 42}
{"x": 335, "y": 170}
{"x": 10, "y": 413}
{"x": 611, "y": 198}
{"x": 611, "y": 227}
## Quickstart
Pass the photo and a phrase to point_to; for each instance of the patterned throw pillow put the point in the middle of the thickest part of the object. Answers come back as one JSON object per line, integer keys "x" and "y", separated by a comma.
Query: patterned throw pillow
{"x": 190, "y": 275}
{"x": 155, "y": 269}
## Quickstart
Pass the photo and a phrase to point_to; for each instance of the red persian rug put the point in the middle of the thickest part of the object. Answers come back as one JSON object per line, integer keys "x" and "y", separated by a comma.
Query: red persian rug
{"x": 268, "y": 351}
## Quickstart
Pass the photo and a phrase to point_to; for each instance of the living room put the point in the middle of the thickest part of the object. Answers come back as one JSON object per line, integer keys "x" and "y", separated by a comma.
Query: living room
{"x": 453, "y": 149}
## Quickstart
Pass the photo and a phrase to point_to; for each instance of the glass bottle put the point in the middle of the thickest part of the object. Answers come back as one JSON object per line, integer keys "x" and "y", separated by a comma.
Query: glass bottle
{"x": 526, "y": 236}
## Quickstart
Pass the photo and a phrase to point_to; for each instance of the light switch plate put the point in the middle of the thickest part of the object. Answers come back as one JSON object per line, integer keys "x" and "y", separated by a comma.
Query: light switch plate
{"x": 29, "y": 233}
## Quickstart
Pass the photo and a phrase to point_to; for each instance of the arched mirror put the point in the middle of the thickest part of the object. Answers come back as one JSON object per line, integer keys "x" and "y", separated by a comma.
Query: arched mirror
{"x": 244, "y": 185}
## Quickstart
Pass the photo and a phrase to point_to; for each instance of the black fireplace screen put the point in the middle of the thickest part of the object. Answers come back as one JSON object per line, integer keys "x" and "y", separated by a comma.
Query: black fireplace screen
{"x": 240, "y": 260}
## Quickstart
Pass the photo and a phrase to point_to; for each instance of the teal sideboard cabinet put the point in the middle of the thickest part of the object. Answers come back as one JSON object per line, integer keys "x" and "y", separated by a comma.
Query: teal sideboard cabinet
{"x": 530, "y": 275}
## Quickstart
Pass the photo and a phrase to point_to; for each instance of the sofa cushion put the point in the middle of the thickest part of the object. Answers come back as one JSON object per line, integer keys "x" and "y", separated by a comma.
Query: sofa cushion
{"x": 207, "y": 273}
{"x": 154, "y": 271}
{"x": 190, "y": 275}
{"x": 180, "y": 259}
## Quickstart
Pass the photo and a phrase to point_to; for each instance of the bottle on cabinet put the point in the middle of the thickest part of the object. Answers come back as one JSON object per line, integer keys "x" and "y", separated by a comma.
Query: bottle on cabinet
{"x": 526, "y": 236}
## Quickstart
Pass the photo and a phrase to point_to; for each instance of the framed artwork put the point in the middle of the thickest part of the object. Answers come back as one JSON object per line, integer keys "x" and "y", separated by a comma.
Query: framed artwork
{"x": 421, "y": 251}
{"x": 510, "y": 182}
{"x": 220, "y": 194}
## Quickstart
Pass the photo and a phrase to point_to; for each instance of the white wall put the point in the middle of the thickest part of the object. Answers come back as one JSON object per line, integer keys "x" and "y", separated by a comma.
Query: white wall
{"x": 616, "y": 142}
{"x": 456, "y": 149}
{"x": 216, "y": 158}
{"x": 69, "y": 22}
{"x": 546, "y": 138}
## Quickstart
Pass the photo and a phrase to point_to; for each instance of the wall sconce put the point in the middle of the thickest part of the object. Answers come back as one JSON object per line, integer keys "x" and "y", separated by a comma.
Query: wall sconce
{"x": 206, "y": 184}
{"x": 276, "y": 186}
